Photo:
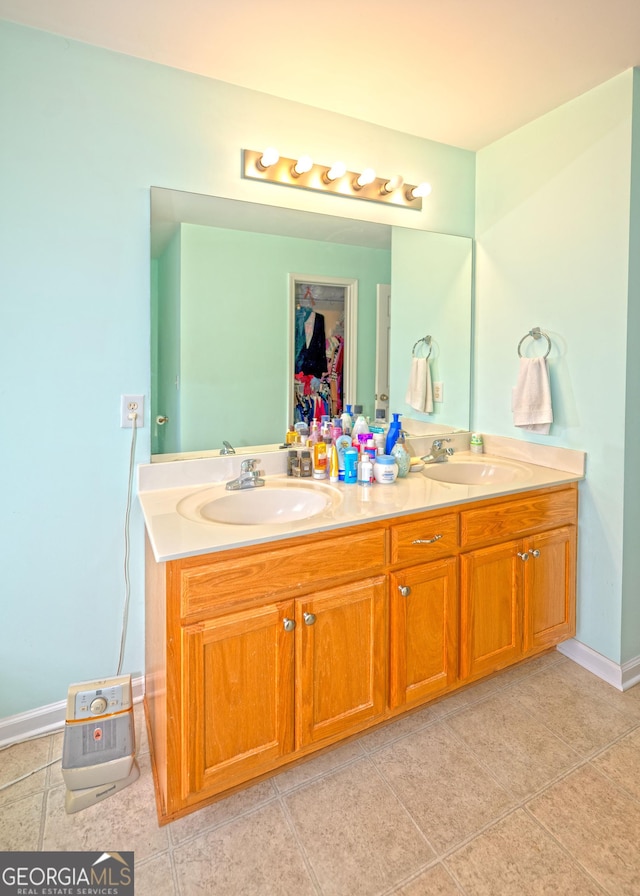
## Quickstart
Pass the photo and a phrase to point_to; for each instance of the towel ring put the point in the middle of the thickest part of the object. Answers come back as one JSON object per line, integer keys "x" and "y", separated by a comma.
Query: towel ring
{"x": 427, "y": 341}
{"x": 536, "y": 333}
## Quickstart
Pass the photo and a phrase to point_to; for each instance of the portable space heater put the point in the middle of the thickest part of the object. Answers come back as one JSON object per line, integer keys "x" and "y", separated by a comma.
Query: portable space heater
{"x": 98, "y": 754}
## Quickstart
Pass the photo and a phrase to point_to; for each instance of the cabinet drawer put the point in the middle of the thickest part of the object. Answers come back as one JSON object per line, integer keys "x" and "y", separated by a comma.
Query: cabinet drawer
{"x": 424, "y": 540}
{"x": 512, "y": 519}
{"x": 217, "y": 584}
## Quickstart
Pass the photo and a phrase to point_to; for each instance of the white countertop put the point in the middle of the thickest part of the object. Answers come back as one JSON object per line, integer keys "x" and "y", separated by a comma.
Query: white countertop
{"x": 172, "y": 535}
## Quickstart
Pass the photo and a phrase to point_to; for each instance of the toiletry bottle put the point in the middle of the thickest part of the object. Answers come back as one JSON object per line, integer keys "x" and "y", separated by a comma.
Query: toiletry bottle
{"x": 336, "y": 428}
{"x": 341, "y": 443}
{"x": 360, "y": 425}
{"x": 347, "y": 421}
{"x": 365, "y": 470}
{"x": 350, "y": 465}
{"x": 334, "y": 469}
{"x": 401, "y": 455}
{"x": 305, "y": 464}
{"x": 320, "y": 460}
{"x": 292, "y": 457}
{"x": 325, "y": 428}
{"x": 477, "y": 444}
{"x": 291, "y": 436}
{"x": 392, "y": 435}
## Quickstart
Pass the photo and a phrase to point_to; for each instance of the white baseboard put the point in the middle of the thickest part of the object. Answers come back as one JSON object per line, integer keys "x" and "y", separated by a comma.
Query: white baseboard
{"x": 621, "y": 677}
{"x": 46, "y": 719}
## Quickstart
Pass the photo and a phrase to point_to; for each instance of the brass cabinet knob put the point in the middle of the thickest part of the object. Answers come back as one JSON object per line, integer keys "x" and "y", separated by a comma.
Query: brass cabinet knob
{"x": 404, "y": 590}
{"x": 289, "y": 624}
{"x": 309, "y": 618}
{"x": 524, "y": 556}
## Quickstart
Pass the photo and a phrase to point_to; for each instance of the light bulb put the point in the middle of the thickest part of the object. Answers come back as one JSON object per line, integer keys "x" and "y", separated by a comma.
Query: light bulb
{"x": 422, "y": 189}
{"x": 394, "y": 184}
{"x": 338, "y": 169}
{"x": 268, "y": 158}
{"x": 304, "y": 164}
{"x": 367, "y": 176}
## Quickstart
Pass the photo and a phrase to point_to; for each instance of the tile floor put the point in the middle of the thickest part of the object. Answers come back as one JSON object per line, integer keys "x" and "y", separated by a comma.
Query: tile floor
{"x": 525, "y": 784}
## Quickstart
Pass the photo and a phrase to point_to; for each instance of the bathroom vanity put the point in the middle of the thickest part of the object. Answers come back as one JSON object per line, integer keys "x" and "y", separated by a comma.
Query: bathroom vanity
{"x": 262, "y": 650}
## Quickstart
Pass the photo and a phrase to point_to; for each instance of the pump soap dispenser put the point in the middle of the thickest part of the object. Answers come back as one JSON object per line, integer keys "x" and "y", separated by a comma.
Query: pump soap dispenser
{"x": 392, "y": 435}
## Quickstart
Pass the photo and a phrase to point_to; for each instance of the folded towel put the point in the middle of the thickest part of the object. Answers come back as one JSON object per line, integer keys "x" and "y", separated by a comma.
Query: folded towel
{"x": 531, "y": 396}
{"x": 419, "y": 392}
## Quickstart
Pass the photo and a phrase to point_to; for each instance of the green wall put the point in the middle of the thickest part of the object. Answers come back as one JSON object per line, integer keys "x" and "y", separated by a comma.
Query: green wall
{"x": 553, "y": 242}
{"x": 85, "y": 134}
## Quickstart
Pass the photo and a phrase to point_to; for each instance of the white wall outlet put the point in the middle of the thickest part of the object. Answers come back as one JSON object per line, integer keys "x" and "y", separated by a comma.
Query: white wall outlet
{"x": 130, "y": 405}
{"x": 438, "y": 389}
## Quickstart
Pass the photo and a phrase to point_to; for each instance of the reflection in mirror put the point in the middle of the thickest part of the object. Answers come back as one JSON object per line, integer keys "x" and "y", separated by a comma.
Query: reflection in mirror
{"x": 221, "y": 323}
{"x": 325, "y": 350}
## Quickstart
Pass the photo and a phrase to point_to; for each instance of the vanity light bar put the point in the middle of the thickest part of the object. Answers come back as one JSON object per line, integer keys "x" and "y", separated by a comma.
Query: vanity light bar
{"x": 303, "y": 172}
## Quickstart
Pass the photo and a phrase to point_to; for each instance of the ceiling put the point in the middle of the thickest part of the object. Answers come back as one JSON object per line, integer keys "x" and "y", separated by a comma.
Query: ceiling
{"x": 462, "y": 72}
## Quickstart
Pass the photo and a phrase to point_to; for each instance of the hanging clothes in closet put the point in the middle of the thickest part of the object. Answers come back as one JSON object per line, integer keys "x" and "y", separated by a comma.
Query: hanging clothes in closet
{"x": 311, "y": 388}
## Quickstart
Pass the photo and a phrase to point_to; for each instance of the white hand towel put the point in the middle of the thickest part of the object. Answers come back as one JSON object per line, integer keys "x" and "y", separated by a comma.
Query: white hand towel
{"x": 531, "y": 396}
{"x": 419, "y": 392}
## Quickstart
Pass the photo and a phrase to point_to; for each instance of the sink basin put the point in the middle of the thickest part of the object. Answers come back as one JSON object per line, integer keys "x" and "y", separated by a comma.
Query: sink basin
{"x": 477, "y": 471}
{"x": 270, "y": 504}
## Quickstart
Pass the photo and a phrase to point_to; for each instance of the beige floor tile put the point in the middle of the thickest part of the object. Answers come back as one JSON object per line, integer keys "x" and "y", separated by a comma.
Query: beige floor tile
{"x": 20, "y": 760}
{"x": 516, "y": 858}
{"x": 20, "y": 823}
{"x": 442, "y": 785}
{"x": 317, "y": 766}
{"x": 521, "y": 752}
{"x": 155, "y": 878}
{"x": 599, "y": 824}
{"x": 621, "y": 762}
{"x": 403, "y": 726}
{"x": 125, "y": 821}
{"x": 434, "y": 882}
{"x": 626, "y": 702}
{"x": 531, "y": 667}
{"x": 470, "y": 695}
{"x": 571, "y": 709}
{"x": 358, "y": 837}
{"x": 256, "y": 854}
{"x": 221, "y": 812}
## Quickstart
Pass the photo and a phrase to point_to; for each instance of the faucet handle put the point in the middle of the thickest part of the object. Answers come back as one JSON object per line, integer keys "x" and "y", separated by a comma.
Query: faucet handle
{"x": 437, "y": 443}
{"x": 248, "y": 465}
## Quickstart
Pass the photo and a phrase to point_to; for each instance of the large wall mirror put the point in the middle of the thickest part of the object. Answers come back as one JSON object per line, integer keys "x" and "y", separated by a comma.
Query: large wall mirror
{"x": 223, "y": 324}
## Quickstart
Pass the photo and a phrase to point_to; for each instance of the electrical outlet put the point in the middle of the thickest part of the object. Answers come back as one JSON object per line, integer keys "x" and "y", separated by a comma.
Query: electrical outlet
{"x": 438, "y": 389}
{"x": 129, "y": 405}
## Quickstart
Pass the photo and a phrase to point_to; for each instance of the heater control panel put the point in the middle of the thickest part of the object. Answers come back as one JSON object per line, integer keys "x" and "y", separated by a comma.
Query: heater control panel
{"x": 91, "y": 699}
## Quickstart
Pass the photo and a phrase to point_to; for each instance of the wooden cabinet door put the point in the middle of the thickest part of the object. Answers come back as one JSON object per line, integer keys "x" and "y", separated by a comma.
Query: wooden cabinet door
{"x": 490, "y": 609}
{"x": 340, "y": 660}
{"x": 423, "y": 604}
{"x": 237, "y": 718}
{"x": 549, "y": 588}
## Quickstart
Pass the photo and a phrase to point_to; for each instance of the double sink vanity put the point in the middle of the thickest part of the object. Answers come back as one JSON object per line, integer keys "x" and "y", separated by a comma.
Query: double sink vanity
{"x": 283, "y": 619}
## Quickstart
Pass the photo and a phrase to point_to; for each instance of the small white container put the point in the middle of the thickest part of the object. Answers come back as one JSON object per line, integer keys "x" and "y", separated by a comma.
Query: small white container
{"x": 476, "y": 445}
{"x": 385, "y": 469}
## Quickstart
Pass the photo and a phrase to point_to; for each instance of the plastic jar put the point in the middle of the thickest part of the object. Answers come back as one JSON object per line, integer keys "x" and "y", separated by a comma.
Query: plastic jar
{"x": 385, "y": 469}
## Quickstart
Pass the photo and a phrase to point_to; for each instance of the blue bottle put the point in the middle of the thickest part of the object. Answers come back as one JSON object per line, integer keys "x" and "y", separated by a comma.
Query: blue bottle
{"x": 350, "y": 465}
{"x": 392, "y": 435}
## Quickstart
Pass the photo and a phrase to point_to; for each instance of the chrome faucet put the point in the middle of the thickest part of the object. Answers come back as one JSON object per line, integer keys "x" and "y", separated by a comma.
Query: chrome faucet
{"x": 438, "y": 454}
{"x": 227, "y": 448}
{"x": 249, "y": 477}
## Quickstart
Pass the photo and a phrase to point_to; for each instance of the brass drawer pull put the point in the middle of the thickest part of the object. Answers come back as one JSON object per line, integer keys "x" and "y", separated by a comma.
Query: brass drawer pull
{"x": 427, "y": 540}
{"x": 404, "y": 590}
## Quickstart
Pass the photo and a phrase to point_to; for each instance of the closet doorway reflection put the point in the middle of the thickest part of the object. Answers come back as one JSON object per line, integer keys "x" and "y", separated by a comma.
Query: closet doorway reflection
{"x": 324, "y": 325}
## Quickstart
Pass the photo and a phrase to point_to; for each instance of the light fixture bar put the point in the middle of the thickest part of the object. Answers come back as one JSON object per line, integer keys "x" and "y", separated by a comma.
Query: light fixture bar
{"x": 315, "y": 178}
